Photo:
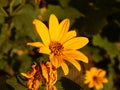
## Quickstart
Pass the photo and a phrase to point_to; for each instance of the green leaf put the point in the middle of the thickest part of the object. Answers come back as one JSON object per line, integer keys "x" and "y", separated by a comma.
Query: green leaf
{"x": 2, "y": 63}
{"x": 26, "y": 62}
{"x": 110, "y": 84}
{"x": 16, "y": 84}
{"x": 119, "y": 62}
{"x": 67, "y": 84}
{"x": 4, "y": 3}
{"x": 106, "y": 45}
{"x": 64, "y": 2}
{"x": 3, "y": 33}
{"x": 31, "y": 11}
{"x": 117, "y": 22}
{"x": 23, "y": 24}
{"x": 94, "y": 23}
{"x": 4, "y": 46}
{"x": 17, "y": 2}
{"x": 59, "y": 85}
{"x": 43, "y": 58}
{"x": 23, "y": 21}
{"x": 94, "y": 52}
{"x": 117, "y": 0}
{"x": 61, "y": 13}
{"x": 96, "y": 56}
{"x": 3, "y": 84}
{"x": 1, "y": 19}
{"x": 97, "y": 15}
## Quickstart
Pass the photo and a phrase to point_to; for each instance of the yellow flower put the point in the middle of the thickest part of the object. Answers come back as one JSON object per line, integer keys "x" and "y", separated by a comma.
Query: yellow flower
{"x": 40, "y": 73}
{"x": 95, "y": 78}
{"x": 50, "y": 74}
{"x": 60, "y": 44}
{"x": 34, "y": 77}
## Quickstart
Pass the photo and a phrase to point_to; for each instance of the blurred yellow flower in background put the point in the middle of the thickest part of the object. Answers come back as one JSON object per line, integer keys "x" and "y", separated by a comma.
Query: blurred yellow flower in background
{"x": 95, "y": 78}
{"x": 44, "y": 72}
{"x": 60, "y": 44}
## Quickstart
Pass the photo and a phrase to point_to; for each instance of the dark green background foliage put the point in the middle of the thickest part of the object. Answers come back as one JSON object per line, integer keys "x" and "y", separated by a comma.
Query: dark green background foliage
{"x": 99, "y": 20}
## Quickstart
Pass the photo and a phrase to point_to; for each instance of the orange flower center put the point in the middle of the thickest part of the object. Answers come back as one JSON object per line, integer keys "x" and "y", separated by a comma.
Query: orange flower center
{"x": 56, "y": 48}
{"x": 97, "y": 79}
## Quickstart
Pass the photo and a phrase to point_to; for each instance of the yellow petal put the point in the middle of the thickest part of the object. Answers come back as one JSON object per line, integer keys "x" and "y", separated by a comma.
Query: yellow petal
{"x": 35, "y": 44}
{"x": 86, "y": 81}
{"x": 102, "y": 73}
{"x": 91, "y": 84}
{"x": 63, "y": 27}
{"x": 94, "y": 71}
{"x": 42, "y": 30}
{"x": 74, "y": 62}
{"x": 65, "y": 68}
{"x": 80, "y": 56}
{"x": 76, "y": 43}
{"x": 25, "y": 75}
{"x": 76, "y": 55}
{"x": 53, "y": 27}
{"x": 68, "y": 36}
{"x": 60, "y": 60}
{"x": 98, "y": 86}
{"x": 54, "y": 60}
{"x": 44, "y": 50}
{"x": 29, "y": 83}
{"x": 44, "y": 72}
{"x": 105, "y": 80}
{"x": 88, "y": 77}
{"x": 54, "y": 88}
{"x": 36, "y": 85}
